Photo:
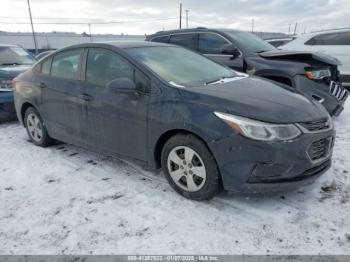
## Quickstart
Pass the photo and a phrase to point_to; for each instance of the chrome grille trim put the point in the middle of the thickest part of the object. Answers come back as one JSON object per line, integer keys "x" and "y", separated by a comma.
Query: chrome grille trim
{"x": 316, "y": 126}
{"x": 338, "y": 91}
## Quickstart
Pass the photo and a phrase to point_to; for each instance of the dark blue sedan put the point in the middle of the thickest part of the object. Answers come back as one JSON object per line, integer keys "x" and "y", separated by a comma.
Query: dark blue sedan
{"x": 165, "y": 106}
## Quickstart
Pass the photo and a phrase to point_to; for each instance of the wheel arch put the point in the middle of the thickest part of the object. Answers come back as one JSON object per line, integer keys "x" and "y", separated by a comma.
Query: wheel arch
{"x": 166, "y": 136}
{"x": 157, "y": 154}
{"x": 170, "y": 133}
{"x": 24, "y": 108}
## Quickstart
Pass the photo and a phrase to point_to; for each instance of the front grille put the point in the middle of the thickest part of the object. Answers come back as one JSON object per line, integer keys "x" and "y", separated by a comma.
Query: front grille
{"x": 338, "y": 91}
{"x": 316, "y": 125}
{"x": 320, "y": 149}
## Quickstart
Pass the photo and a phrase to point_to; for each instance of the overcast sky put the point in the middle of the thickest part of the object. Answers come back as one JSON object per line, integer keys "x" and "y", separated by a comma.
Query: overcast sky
{"x": 148, "y": 16}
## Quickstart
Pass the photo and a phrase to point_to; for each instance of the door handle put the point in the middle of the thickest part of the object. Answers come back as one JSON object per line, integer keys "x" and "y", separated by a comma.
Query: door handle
{"x": 86, "y": 97}
{"x": 42, "y": 85}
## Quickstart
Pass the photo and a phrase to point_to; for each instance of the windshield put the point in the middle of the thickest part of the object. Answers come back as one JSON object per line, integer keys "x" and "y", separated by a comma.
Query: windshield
{"x": 14, "y": 55}
{"x": 250, "y": 42}
{"x": 179, "y": 66}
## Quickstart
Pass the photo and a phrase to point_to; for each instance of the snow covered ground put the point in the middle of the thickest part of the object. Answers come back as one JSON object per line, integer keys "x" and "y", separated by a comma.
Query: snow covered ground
{"x": 65, "y": 200}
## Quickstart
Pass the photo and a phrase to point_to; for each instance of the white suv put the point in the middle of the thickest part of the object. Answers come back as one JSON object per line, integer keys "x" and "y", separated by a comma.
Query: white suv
{"x": 332, "y": 42}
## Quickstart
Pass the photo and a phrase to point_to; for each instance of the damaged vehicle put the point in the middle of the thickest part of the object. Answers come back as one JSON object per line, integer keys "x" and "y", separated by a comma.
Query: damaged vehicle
{"x": 164, "y": 106}
{"x": 315, "y": 75}
{"x": 13, "y": 61}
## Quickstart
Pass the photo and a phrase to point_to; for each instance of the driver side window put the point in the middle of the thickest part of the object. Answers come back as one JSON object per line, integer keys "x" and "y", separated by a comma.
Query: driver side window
{"x": 102, "y": 66}
{"x": 211, "y": 43}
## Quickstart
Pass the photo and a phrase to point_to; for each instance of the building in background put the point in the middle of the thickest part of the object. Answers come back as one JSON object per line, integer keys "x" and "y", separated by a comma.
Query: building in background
{"x": 56, "y": 40}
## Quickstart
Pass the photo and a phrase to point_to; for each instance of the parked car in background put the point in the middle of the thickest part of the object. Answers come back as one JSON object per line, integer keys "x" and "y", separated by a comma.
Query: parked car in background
{"x": 43, "y": 54}
{"x": 332, "y": 42}
{"x": 277, "y": 42}
{"x": 314, "y": 75}
{"x": 165, "y": 106}
{"x": 13, "y": 61}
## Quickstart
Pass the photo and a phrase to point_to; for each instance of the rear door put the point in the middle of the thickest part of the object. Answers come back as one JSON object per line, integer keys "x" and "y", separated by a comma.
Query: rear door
{"x": 211, "y": 45}
{"x": 61, "y": 103}
{"x": 116, "y": 122}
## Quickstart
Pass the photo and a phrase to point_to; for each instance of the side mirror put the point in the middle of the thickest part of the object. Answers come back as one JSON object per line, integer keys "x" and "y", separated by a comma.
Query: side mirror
{"x": 230, "y": 50}
{"x": 122, "y": 85}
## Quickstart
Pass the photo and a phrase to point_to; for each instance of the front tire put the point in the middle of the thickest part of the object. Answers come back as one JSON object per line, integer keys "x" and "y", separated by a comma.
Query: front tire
{"x": 190, "y": 168}
{"x": 36, "y": 129}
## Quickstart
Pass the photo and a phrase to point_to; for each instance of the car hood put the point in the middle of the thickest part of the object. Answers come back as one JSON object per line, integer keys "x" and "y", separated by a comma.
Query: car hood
{"x": 300, "y": 56}
{"x": 12, "y": 71}
{"x": 261, "y": 100}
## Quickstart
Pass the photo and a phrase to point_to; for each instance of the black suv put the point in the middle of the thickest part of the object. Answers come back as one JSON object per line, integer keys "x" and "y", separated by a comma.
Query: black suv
{"x": 314, "y": 74}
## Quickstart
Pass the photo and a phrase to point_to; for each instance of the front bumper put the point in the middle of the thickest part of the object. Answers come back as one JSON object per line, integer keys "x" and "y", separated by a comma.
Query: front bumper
{"x": 322, "y": 92}
{"x": 254, "y": 166}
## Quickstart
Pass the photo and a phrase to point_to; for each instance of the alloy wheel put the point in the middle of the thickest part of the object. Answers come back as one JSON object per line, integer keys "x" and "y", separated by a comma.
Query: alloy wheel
{"x": 186, "y": 168}
{"x": 35, "y": 128}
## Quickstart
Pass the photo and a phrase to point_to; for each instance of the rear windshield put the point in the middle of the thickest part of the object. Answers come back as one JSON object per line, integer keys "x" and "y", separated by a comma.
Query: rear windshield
{"x": 180, "y": 66}
{"x": 14, "y": 55}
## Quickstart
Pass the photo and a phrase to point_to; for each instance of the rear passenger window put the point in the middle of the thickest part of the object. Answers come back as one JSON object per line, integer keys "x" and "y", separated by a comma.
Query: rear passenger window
{"x": 185, "y": 40}
{"x": 103, "y": 66}
{"x": 46, "y": 66}
{"x": 66, "y": 64}
{"x": 161, "y": 39}
{"x": 341, "y": 38}
{"x": 211, "y": 43}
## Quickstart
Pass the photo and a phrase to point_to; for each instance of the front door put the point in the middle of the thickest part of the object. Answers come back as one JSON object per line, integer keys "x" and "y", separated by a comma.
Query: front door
{"x": 116, "y": 121}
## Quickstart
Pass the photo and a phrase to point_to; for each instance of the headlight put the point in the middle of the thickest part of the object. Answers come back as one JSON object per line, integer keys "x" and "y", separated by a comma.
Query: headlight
{"x": 317, "y": 74}
{"x": 259, "y": 130}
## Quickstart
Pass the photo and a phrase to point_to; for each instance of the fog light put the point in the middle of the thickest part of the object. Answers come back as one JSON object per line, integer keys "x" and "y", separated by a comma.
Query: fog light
{"x": 265, "y": 171}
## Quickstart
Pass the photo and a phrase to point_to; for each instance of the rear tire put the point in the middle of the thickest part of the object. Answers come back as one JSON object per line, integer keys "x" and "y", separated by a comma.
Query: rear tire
{"x": 190, "y": 168}
{"x": 36, "y": 129}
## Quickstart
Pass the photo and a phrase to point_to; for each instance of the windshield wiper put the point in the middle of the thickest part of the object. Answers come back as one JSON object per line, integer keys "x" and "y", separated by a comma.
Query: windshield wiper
{"x": 221, "y": 78}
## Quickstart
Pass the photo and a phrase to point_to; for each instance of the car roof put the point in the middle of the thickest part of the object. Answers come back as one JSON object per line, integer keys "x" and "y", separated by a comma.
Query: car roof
{"x": 118, "y": 44}
{"x": 321, "y": 32}
{"x": 190, "y": 30}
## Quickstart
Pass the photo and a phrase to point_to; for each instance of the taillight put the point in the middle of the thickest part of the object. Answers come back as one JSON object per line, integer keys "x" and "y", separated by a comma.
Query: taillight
{"x": 14, "y": 83}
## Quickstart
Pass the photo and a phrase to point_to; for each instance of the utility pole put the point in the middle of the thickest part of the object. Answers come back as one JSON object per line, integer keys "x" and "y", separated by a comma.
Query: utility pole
{"x": 180, "y": 15}
{"x": 187, "y": 19}
{"x": 90, "y": 33}
{"x": 253, "y": 25}
{"x": 295, "y": 28}
{"x": 31, "y": 22}
{"x": 289, "y": 29}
